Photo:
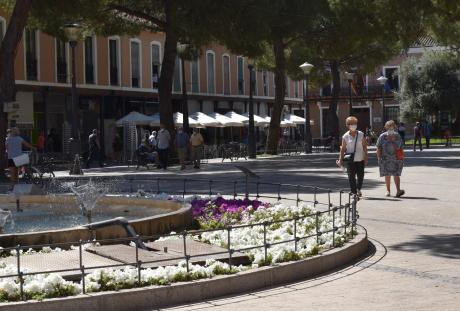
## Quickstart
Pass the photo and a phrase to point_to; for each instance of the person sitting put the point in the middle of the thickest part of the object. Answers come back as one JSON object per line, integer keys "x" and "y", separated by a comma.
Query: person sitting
{"x": 146, "y": 155}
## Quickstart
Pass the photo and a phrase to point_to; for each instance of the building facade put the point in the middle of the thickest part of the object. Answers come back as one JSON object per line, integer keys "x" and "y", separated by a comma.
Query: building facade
{"x": 117, "y": 74}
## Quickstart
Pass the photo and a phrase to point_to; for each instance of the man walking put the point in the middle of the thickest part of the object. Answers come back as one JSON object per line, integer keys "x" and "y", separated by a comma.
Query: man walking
{"x": 163, "y": 141}
{"x": 94, "y": 149}
{"x": 427, "y": 133}
{"x": 197, "y": 142}
{"x": 182, "y": 141}
{"x": 417, "y": 136}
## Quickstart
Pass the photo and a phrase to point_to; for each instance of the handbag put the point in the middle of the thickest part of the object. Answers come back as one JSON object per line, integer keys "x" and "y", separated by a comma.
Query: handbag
{"x": 350, "y": 157}
{"x": 21, "y": 160}
{"x": 399, "y": 153}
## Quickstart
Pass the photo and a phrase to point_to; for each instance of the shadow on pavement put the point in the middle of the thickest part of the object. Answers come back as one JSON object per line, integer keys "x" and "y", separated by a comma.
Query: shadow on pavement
{"x": 443, "y": 245}
{"x": 420, "y": 198}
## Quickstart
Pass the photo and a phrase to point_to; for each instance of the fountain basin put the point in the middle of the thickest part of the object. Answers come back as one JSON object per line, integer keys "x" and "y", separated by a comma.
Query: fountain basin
{"x": 150, "y": 217}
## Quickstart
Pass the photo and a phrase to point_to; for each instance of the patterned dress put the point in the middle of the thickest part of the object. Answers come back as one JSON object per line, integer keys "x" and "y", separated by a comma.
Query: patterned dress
{"x": 388, "y": 164}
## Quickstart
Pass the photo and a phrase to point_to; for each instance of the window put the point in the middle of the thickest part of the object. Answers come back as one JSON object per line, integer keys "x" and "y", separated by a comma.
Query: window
{"x": 61, "y": 61}
{"x": 156, "y": 63}
{"x": 296, "y": 89}
{"x": 392, "y": 73}
{"x": 89, "y": 60}
{"x": 113, "y": 61}
{"x": 195, "y": 75}
{"x": 287, "y": 92}
{"x": 210, "y": 72}
{"x": 177, "y": 78}
{"x": 31, "y": 55}
{"x": 135, "y": 63}
{"x": 392, "y": 113}
{"x": 226, "y": 73}
{"x": 265, "y": 82}
{"x": 240, "y": 70}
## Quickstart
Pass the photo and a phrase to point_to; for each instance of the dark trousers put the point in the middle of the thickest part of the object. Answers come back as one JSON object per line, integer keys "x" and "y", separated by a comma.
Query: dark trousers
{"x": 163, "y": 155}
{"x": 355, "y": 175}
{"x": 94, "y": 154}
{"x": 427, "y": 138}
{"x": 419, "y": 140}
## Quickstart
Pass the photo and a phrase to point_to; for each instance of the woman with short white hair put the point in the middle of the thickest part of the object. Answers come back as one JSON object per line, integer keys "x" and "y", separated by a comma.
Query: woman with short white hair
{"x": 353, "y": 152}
{"x": 390, "y": 155}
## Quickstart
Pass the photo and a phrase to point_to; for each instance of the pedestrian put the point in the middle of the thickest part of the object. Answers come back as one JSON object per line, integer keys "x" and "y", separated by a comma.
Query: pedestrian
{"x": 50, "y": 141}
{"x": 117, "y": 148}
{"x": 353, "y": 153}
{"x": 197, "y": 142}
{"x": 418, "y": 136}
{"x": 153, "y": 139}
{"x": 163, "y": 141}
{"x": 182, "y": 142}
{"x": 94, "y": 149}
{"x": 402, "y": 132}
{"x": 390, "y": 156}
{"x": 427, "y": 128}
{"x": 14, "y": 143}
{"x": 41, "y": 142}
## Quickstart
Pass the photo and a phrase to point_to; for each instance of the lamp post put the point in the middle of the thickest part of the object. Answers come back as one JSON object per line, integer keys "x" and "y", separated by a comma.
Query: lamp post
{"x": 383, "y": 80}
{"x": 306, "y": 68}
{"x": 251, "y": 131}
{"x": 73, "y": 34}
{"x": 350, "y": 76}
{"x": 181, "y": 49}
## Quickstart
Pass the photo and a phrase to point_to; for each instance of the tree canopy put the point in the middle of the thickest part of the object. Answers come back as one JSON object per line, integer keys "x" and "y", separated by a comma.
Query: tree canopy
{"x": 429, "y": 85}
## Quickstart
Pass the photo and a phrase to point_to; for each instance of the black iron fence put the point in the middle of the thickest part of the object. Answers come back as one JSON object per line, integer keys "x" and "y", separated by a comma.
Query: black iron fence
{"x": 343, "y": 214}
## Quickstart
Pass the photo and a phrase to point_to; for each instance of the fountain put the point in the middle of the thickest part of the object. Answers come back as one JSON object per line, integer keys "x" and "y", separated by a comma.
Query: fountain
{"x": 87, "y": 196}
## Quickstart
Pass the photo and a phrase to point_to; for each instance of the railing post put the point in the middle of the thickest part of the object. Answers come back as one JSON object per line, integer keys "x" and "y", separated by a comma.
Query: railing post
{"x": 279, "y": 192}
{"x": 185, "y": 190}
{"x": 185, "y": 250}
{"x": 345, "y": 219}
{"x": 340, "y": 202}
{"x": 314, "y": 197}
{"x": 229, "y": 248}
{"x": 82, "y": 270}
{"x": 257, "y": 190}
{"x": 297, "y": 196}
{"x": 158, "y": 185}
{"x": 354, "y": 214}
{"x": 138, "y": 262}
{"x": 329, "y": 204}
{"x": 265, "y": 242}
{"x": 317, "y": 227}
{"x": 234, "y": 190}
{"x": 333, "y": 226}
{"x": 20, "y": 274}
{"x": 295, "y": 234}
{"x": 210, "y": 187}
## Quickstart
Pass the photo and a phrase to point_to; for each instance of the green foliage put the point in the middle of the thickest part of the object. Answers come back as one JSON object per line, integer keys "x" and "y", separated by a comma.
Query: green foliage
{"x": 430, "y": 84}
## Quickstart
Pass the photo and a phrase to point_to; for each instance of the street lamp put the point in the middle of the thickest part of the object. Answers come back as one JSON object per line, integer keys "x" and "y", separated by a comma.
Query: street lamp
{"x": 306, "y": 68}
{"x": 383, "y": 80}
{"x": 251, "y": 131}
{"x": 181, "y": 50}
{"x": 73, "y": 33}
{"x": 350, "y": 76}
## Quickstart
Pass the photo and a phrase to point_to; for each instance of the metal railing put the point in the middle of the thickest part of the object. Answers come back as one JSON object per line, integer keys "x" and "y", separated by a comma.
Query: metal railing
{"x": 345, "y": 210}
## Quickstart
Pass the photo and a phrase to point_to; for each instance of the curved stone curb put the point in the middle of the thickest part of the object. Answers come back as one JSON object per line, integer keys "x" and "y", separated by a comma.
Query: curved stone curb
{"x": 160, "y": 296}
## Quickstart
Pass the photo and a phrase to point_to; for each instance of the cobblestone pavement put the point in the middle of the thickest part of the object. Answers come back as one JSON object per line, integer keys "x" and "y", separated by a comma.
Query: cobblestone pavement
{"x": 416, "y": 263}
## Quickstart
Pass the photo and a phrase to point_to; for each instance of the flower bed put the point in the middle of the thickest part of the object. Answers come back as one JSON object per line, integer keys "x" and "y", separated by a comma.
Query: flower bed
{"x": 251, "y": 222}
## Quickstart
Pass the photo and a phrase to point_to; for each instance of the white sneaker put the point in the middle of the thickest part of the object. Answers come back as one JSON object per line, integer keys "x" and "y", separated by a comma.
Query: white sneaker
{"x": 387, "y": 194}
{"x": 360, "y": 194}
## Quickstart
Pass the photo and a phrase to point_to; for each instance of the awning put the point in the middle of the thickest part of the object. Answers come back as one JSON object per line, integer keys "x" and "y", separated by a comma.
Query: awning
{"x": 179, "y": 120}
{"x": 296, "y": 119}
{"x": 205, "y": 120}
{"x": 284, "y": 122}
{"x": 235, "y": 117}
{"x": 224, "y": 120}
{"x": 258, "y": 120}
{"x": 135, "y": 117}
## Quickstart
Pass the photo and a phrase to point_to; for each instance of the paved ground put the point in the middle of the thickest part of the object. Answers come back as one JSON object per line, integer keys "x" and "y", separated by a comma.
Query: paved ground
{"x": 416, "y": 263}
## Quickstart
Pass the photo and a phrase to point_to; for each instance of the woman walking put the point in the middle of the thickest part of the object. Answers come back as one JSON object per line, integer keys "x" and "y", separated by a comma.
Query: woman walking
{"x": 354, "y": 152}
{"x": 391, "y": 157}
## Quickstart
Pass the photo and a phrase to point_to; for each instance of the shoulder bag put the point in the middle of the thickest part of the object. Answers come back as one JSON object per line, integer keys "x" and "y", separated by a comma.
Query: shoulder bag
{"x": 350, "y": 157}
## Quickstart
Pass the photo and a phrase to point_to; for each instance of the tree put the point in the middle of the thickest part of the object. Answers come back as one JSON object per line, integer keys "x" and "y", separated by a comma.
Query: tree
{"x": 429, "y": 85}
{"x": 8, "y": 50}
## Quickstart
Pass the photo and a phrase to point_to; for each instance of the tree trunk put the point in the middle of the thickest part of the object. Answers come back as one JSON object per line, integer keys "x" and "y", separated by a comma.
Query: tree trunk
{"x": 332, "y": 121}
{"x": 167, "y": 70}
{"x": 7, "y": 78}
{"x": 280, "y": 87}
